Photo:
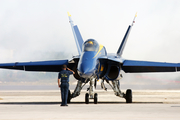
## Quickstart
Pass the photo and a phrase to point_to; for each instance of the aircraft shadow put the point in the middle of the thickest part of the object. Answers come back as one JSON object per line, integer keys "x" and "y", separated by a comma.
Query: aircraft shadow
{"x": 54, "y": 103}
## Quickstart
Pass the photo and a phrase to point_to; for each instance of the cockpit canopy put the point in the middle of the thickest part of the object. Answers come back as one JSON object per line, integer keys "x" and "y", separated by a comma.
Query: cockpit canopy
{"x": 90, "y": 45}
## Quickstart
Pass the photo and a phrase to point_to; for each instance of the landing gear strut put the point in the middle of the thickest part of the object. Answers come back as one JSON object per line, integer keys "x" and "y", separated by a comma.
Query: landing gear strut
{"x": 116, "y": 87}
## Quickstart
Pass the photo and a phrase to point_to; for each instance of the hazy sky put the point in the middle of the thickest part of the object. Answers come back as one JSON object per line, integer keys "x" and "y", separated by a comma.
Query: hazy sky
{"x": 29, "y": 28}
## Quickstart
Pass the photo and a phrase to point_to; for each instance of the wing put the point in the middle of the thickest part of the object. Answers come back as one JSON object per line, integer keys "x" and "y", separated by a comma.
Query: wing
{"x": 132, "y": 66}
{"x": 44, "y": 66}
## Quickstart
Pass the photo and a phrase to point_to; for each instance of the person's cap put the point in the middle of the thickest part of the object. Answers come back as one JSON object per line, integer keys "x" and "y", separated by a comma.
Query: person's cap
{"x": 64, "y": 66}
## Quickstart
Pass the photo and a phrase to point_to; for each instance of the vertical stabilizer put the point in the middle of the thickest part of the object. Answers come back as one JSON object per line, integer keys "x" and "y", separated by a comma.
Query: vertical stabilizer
{"x": 123, "y": 43}
{"x": 77, "y": 35}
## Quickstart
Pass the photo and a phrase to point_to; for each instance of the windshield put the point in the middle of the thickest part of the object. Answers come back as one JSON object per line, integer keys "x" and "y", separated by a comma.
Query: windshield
{"x": 90, "y": 45}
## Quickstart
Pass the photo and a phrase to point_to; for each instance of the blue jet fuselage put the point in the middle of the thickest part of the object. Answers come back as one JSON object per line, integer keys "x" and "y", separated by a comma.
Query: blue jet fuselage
{"x": 88, "y": 64}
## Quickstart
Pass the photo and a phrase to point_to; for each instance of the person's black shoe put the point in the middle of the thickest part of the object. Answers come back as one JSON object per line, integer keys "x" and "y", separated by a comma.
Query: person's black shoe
{"x": 62, "y": 105}
{"x": 66, "y": 105}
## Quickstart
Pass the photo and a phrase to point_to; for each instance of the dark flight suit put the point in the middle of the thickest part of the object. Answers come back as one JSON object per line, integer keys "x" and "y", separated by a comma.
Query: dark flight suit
{"x": 64, "y": 76}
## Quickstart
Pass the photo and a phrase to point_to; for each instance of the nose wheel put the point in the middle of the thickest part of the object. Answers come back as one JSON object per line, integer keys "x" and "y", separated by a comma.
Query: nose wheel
{"x": 95, "y": 98}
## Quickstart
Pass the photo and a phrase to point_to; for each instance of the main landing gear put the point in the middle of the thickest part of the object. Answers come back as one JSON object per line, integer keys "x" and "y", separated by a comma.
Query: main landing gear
{"x": 69, "y": 97}
{"x": 115, "y": 85}
{"x": 128, "y": 96}
{"x": 87, "y": 98}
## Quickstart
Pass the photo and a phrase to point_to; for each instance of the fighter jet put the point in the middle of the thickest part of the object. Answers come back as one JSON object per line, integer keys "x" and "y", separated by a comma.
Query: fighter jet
{"x": 93, "y": 63}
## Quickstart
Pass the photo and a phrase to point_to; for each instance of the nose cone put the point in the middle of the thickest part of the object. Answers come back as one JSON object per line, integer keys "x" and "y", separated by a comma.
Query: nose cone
{"x": 86, "y": 70}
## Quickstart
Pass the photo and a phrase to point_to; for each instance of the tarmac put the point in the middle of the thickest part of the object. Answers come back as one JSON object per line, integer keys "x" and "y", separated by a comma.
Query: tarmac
{"x": 45, "y": 105}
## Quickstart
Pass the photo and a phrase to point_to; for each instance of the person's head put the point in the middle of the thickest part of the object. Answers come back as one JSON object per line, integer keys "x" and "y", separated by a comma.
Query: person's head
{"x": 64, "y": 67}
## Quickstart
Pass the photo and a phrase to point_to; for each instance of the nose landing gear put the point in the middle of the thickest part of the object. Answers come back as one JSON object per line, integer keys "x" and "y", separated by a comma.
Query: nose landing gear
{"x": 91, "y": 94}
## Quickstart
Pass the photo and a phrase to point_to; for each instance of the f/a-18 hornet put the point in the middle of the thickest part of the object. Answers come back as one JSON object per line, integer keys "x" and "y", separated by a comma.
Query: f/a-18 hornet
{"x": 93, "y": 63}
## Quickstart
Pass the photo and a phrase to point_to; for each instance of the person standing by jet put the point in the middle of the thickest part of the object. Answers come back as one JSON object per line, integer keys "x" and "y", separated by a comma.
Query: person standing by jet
{"x": 63, "y": 83}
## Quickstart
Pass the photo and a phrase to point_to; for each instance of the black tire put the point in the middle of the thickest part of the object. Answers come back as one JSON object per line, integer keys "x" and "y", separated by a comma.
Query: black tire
{"x": 87, "y": 98}
{"x": 95, "y": 98}
{"x": 69, "y": 97}
{"x": 128, "y": 96}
